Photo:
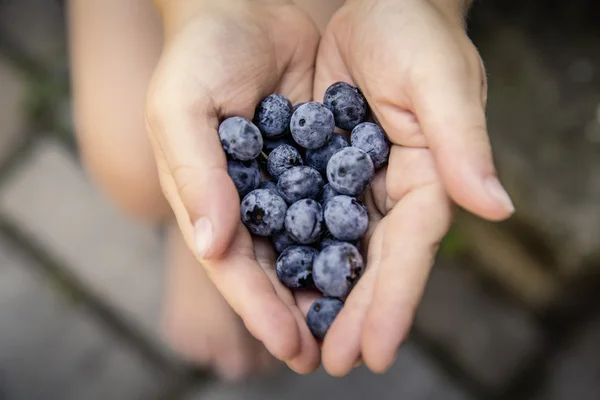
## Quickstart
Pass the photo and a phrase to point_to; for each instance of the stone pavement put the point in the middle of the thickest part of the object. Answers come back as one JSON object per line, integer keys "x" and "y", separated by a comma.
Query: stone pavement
{"x": 81, "y": 284}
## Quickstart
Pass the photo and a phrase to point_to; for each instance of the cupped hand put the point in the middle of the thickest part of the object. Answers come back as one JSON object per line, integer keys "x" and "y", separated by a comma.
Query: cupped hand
{"x": 220, "y": 59}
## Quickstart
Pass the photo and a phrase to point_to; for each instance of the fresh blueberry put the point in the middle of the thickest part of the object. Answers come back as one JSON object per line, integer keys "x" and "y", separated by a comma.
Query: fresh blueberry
{"x": 337, "y": 268}
{"x": 321, "y": 315}
{"x": 294, "y": 267}
{"x": 348, "y": 104}
{"x": 304, "y": 221}
{"x": 346, "y": 218}
{"x": 350, "y": 171}
{"x": 312, "y": 125}
{"x": 263, "y": 212}
{"x": 240, "y": 138}
{"x": 245, "y": 175}
{"x": 318, "y": 158}
{"x": 282, "y": 240}
{"x": 283, "y": 158}
{"x": 273, "y": 115}
{"x": 300, "y": 183}
{"x": 328, "y": 240}
{"x": 269, "y": 185}
{"x": 370, "y": 138}
{"x": 298, "y": 105}
{"x": 327, "y": 194}
{"x": 270, "y": 145}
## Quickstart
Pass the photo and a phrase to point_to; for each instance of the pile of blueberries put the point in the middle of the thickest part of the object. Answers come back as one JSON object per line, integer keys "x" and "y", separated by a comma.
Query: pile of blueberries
{"x": 315, "y": 227}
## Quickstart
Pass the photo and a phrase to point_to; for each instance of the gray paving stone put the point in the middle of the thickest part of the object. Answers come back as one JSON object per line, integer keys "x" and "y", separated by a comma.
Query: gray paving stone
{"x": 491, "y": 339}
{"x": 53, "y": 201}
{"x": 54, "y": 350}
{"x": 12, "y": 121}
{"x": 413, "y": 377}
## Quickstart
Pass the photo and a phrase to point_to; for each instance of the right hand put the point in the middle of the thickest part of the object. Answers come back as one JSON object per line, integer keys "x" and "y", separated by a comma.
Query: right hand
{"x": 220, "y": 59}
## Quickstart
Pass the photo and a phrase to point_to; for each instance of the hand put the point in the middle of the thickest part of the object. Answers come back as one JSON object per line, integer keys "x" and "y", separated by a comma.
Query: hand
{"x": 220, "y": 59}
{"x": 426, "y": 86}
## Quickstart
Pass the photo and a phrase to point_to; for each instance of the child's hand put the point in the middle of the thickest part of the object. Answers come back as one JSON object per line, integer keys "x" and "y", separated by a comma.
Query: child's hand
{"x": 426, "y": 85}
{"x": 220, "y": 59}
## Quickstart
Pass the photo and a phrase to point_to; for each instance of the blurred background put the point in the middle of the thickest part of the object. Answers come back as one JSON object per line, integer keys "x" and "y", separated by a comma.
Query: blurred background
{"x": 511, "y": 311}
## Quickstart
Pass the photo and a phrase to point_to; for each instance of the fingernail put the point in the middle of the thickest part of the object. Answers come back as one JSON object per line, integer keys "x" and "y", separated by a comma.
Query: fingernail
{"x": 495, "y": 188}
{"x": 203, "y": 232}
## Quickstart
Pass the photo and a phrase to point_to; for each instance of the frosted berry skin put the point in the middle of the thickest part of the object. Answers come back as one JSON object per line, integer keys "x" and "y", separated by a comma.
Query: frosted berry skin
{"x": 270, "y": 185}
{"x": 350, "y": 171}
{"x": 346, "y": 218}
{"x": 318, "y": 158}
{"x": 240, "y": 138}
{"x": 263, "y": 212}
{"x": 304, "y": 221}
{"x": 327, "y": 194}
{"x": 337, "y": 268}
{"x": 294, "y": 267}
{"x": 283, "y": 158}
{"x": 300, "y": 183}
{"x": 273, "y": 115}
{"x": 347, "y": 103}
{"x": 370, "y": 138}
{"x": 282, "y": 240}
{"x": 328, "y": 240}
{"x": 245, "y": 175}
{"x": 312, "y": 125}
{"x": 321, "y": 315}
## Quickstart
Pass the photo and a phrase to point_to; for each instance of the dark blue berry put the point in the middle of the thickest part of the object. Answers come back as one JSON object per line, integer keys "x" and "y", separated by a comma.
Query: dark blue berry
{"x": 273, "y": 115}
{"x": 240, "y": 138}
{"x": 300, "y": 183}
{"x": 263, "y": 212}
{"x": 312, "y": 125}
{"x": 350, "y": 171}
{"x": 283, "y": 158}
{"x": 318, "y": 158}
{"x": 348, "y": 104}
{"x": 269, "y": 185}
{"x": 245, "y": 175}
{"x": 298, "y": 105}
{"x": 282, "y": 241}
{"x": 370, "y": 138}
{"x": 327, "y": 194}
{"x": 304, "y": 221}
{"x": 294, "y": 267}
{"x": 328, "y": 240}
{"x": 321, "y": 315}
{"x": 346, "y": 218}
{"x": 337, "y": 268}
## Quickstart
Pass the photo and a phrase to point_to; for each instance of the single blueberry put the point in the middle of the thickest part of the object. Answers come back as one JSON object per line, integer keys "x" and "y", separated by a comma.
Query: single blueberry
{"x": 350, "y": 171}
{"x": 304, "y": 221}
{"x": 321, "y": 315}
{"x": 370, "y": 138}
{"x": 300, "y": 183}
{"x": 348, "y": 104}
{"x": 240, "y": 138}
{"x": 337, "y": 268}
{"x": 263, "y": 212}
{"x": 283, "y": 158}
{"x": 318, "y": 158}
{"x": 328, "y": 240}
{"x": 270, "y": 145}
{"x": 282, "y": 240}
{"x": 346, "y": 218}
{"x": 294, "y": 267}
{"x": 312, "y": 125}
{"x": 327, "y": 194}
{"x": 298, "y": 105}
{"x": 245, "y": 175}
{"x": 269, "y": 185}
{"x": 273, "y": 115}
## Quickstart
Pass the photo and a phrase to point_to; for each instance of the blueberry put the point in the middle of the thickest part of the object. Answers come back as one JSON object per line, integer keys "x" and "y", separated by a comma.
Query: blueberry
{"x": 300, "y": 183}
{"x": 328, "y": 240}
{"x": 321, "y": 315}
{"x": 337, "y": 268}
{"x": 269, "y": 185}
{"x": 245, "y": 175}
{"x": 270, "y": 145}
{"x": 304, "y": 221}
{"x": 327, "y": 194}
{"x": 282, "y": 240}
{"x": 298, "y": 105}
{"x": 318, "y": 158}
{"x": 240, "y": 138}
{"x": 263, "y": 212}
{"x": 283, "y": 158}
{"x": 370, "y": 138}
{"x": 346, "y": 218}
{"x": 273, "y": 115}
{"x": 294, "y": 267}
{"x": 348, "y": 104}
{"x": 312, "y": 125}
{"x": 350, "y": 171}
